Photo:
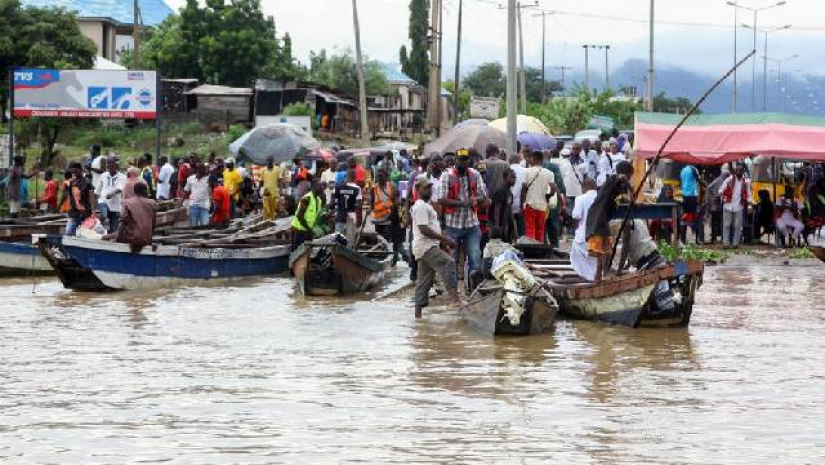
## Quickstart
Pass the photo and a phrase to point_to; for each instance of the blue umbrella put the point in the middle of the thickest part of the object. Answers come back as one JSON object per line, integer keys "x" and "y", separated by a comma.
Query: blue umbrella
{"x": 536, "y": 141}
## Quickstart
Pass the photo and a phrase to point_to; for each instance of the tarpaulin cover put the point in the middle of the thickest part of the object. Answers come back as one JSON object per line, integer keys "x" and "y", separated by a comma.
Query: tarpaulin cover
{"x": 716, "y": 139}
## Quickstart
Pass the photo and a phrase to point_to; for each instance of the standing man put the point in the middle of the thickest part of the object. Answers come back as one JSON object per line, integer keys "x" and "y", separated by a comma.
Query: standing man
{"x": 501, "y": 209}
{"x": 518, "y": 170}
{"x": 431, "y": 249}
{"x": 80, "y": 199}
{"x": 463, "y": 192}
{"x": 271, "y": 180}
{"x": 109, "y": 191}
{"x": 97, "y": 164}
{"x": 383, "y": 203}
{"x": 539, "y": 185}
{"x": 185, "y": 168}
{"x": 232, "y": 181}
{"x": 306, "y": 217}
{"x": 734, "y": 194}
{"x": 582, "y": 262}
{"x": 557, "y": 208}
{"x": 165, "y": 179}
{"x": 690, "y": 199}
{"x": 604, "y": 165}
{"x": 197, "y": 191}
{"x": 571, "y": 178}
{"x": 591, "y": 159}
{"x": 494, "y": 168}
{"x": 14, "y": 191}
{"x": 346, "y": 203}
{"x": 221, "y": 200}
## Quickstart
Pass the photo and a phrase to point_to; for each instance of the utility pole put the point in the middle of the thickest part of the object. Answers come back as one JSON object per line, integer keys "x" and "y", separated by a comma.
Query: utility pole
{"x": 650, "y": 61}
{"x": 606, "y": 67}
{"x": 522, "y": 73}
{"x": 544, "y": 15}
{"x": 457, "y": 61}
{"x": 362, "y": 91}
{"x": 586, "y": 68}
{"x": 434, "y": 89}
{"x": 136, "y": 36}
{"x": 511, "y": 77}
{"x": 562, "y": 69}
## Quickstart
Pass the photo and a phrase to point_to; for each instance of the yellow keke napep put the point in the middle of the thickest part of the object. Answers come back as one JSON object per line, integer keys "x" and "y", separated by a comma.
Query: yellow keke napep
{"x": 762, "y": 177}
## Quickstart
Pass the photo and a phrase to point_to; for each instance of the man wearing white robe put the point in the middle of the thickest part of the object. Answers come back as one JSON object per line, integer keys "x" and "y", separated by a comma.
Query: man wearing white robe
{"x": 583, "y": 264}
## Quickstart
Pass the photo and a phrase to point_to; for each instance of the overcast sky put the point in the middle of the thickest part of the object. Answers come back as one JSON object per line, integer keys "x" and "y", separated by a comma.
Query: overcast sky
{"x": 696, "y": 34}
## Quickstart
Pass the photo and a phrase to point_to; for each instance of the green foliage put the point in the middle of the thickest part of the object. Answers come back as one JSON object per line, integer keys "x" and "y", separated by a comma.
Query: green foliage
{"x": 415, "y": 62}
{"x": 298, "y": 109}
{"x": 221, "y": 42}
{"x": 338, "y": 71}
{"x": 663, "y": 104}
{"x": 41, "y": 37}
{"x": 802, "y": 253}
{"x": 689, "y": 252}
{"x": 567, "y": 115}
{"x": 464, "y": 95}
{"x": 533, "y": 81}
{"x": 487, "y": 80}
{"x": 235, "y": 131}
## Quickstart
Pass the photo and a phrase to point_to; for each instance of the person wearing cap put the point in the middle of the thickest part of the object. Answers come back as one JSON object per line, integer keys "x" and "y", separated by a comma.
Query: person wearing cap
{"x": 221, "y": 201}
{"x": 232, "y": 181}
{"x": 604, "y": 166}
{"x": 431, "y": 249}
{"x": 463, "y": 192}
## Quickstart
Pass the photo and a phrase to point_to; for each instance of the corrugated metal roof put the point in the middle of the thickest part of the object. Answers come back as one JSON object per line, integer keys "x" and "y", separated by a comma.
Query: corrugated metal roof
{"x": 120, "y": 11}
{"x": 209, "y": 89}
{"x": 332, "y": 98}
{"x": 393, "y": 73}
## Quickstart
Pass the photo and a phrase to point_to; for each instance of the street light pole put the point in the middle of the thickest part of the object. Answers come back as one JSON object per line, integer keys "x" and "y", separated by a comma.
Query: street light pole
{"x": 511, "y": 77}
{"x": 586, "y": 69}
{"x": 650, "y": 62}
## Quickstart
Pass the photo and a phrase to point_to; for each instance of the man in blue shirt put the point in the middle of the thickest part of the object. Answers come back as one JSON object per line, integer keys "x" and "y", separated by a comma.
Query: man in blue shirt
{"x": 690, "y": 199}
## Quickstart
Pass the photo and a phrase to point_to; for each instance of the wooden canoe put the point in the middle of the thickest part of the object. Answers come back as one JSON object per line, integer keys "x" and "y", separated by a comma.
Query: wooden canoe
{"x": 628, "y": 299}
{"x": 485, "y": 313}
{"x": 327, "y": 267}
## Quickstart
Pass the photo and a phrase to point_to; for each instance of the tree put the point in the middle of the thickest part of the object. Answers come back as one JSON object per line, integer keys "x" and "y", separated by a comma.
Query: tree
{"x": 487, "y": 80}
{"x": 220, "y": 42}
{"x": 338, "y": 72}
{"x": 663, "y": 104}
{"x": 415, "y": 62}
{"x": 568, "y": 115}
{"x": 533, "y": 81}
{"x": 41, "y": 37}
{"x": 464, "y": 96}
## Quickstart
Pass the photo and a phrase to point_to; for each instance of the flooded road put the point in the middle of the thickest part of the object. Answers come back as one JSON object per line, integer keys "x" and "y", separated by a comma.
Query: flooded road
{"x": 258, "y": 374}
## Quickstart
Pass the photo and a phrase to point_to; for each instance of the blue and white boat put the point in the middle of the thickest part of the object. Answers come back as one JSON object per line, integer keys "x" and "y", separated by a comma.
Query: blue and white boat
{"x": 16, "y": 257}
{"x": 92, "y": 265}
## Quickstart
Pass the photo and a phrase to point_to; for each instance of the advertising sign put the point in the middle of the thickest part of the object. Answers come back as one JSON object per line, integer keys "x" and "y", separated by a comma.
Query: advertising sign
{"x": 84, "y": 93}
{"x": 484, "y": 107}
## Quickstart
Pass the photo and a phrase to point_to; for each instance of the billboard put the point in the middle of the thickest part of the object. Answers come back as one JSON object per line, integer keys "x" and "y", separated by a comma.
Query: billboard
{"x": 484, "y": 107}
{"x": 84, "y": 93}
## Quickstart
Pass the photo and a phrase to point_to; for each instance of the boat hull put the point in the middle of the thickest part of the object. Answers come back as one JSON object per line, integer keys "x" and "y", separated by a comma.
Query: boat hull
{"x": 347, "y": 273}
{"x": 484, "y": 313}
{"x": 17, "y": 257}
{"x": 98, "y": 265}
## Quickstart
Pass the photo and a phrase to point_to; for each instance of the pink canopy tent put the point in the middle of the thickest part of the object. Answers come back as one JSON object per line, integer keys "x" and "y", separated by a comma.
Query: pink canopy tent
{"x": 717, "y": 139}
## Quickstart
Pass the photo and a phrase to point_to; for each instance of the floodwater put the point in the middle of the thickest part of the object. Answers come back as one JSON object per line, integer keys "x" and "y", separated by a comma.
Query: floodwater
{"x": 257, "y": 374}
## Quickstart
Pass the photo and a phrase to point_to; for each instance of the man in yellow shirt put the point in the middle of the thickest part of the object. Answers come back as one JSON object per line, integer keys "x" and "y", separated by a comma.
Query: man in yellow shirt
{"x": 271, "y": 180}
{"x": 232, "y": 181}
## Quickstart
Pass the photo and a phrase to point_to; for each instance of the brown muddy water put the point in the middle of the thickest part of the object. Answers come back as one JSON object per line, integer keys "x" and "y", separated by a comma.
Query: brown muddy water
{"x": 257, "y": 374}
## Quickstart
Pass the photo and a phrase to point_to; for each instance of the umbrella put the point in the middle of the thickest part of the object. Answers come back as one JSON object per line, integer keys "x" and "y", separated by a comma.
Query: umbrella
{"x": 537, "y": 141}
{"x": 282, "y": 141}
{"x": 397, "y": 145}
{"x": 472, "y": 122}
{"x": 524, "y": 123}
{"x": 467, "y": 137}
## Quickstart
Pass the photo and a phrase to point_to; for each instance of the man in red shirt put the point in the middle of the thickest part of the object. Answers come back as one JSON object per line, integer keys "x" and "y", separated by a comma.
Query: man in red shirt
{"x": 360, "y": 172}
{"x": 50, "y": 193}
{"x": 220, "y": 204}
{"x": 184, "y": 171}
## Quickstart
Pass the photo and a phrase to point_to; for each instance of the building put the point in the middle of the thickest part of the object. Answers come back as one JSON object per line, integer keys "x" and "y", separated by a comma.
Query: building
{"x": 222, "y": 106}
{"x": 109, "y": 23}
{"x": 331, "y": 113}
{"x": 403, "y": 112}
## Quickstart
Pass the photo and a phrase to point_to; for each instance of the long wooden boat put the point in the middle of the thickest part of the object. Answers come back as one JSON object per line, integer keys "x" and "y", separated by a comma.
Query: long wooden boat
{"x": 819, "y": 252}
{"x": 19, "y": 252}
{"x": 486, "y": 311}
{"x": 628, "y": 299}
{"x": 327, "y": 266}
{"x": 93, "y": 265}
